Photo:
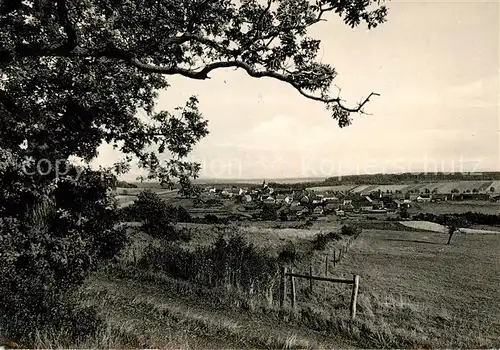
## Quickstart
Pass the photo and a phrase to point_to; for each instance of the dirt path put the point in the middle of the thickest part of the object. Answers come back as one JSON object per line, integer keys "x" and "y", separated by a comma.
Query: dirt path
{"x": 153, "y": 311}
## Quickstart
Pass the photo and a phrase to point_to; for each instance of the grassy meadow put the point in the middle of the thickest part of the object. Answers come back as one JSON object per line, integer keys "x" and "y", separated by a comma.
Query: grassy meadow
{"x": 451, "y": 207}
{"x": 416, "y": 286}
{"x": 415, "y": 292}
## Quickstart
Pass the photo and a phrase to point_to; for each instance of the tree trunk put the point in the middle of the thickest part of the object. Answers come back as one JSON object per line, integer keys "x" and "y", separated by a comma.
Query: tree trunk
{"x": 450, "y": 232}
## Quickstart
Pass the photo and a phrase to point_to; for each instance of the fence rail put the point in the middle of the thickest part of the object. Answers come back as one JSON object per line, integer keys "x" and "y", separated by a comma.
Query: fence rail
{"x": 319, "y": 278}
{"x": 284, "y": 274}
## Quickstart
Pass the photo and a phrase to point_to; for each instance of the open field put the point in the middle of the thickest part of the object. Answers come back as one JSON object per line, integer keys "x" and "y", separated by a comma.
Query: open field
{"x": 450, "y": 207}
{"x": 447, "y": 294}
{"x": 339, "y": 188}
{"x": 147, "y": 309}
{"x": 441, "y": 187}
{"x": 415, "y": 292}
{"x": 258, "y": 181}
{"x": 135, "y": 191}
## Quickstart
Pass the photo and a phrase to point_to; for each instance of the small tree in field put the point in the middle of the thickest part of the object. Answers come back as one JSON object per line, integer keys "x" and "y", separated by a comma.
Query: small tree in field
{"x": 453, "y": 223}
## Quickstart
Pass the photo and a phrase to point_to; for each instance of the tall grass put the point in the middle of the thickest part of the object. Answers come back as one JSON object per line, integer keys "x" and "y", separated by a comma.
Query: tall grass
{"x": 228, "y": 262}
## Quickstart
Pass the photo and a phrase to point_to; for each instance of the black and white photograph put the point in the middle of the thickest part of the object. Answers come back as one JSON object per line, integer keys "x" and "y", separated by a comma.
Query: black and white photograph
{"x": 249, "y": 174}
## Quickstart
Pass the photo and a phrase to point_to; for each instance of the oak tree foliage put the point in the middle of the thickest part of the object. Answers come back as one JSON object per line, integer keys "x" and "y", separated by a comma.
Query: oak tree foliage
{"x": 76, "y": 73}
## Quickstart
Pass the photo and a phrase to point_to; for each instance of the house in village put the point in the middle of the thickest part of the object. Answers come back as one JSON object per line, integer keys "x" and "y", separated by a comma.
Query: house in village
{"x": 377, "y": 204}
{"x": 297, "y": 210}
{"x": 439, "y": 197}
{"x": 412, "y": 197}
{"x": 330, "y": 208}
{"x": 331, "y": 200}
{"x": 230, "y": 192}
{"x": 365, "y": 204}
{"x": 394, "y": 204}
{"x": 269, "y": 200}
{"x": 283, "y": 212}
{"x": 280, "y": 198}
{"x": 495, "y": 198}
{"x": 398, "y": 195}
{"x": 318, "y": 211}
{"x": 305, "y": 200}
{"x": 303, "y": 212}
{"x": 423, "y": 198}
{"x": 347, "y": 206}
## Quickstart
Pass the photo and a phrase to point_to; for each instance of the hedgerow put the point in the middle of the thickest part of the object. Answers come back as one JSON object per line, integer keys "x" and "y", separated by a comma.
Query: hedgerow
{"x": 228, "y": 261}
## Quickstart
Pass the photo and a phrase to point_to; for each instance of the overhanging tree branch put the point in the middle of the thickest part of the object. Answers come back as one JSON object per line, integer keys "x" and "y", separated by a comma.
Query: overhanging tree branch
{"x": 203, "y": 74}
{"x": 253, "y": 52}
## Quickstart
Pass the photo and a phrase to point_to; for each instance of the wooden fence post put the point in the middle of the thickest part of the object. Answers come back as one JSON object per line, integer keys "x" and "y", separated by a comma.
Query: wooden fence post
{"x": 282, "y": 287}
{"x": 292, "y": 290}
{"x": 326, "y": 266}
{"x": 354, "y": 296}
{"x": 311, "y": 281}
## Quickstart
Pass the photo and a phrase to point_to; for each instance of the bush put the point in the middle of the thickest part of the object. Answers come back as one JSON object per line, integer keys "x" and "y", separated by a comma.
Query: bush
{"x": 403, "y": 213}
{"x": 50, "y": 247}
{"x": 213, "y": 202}
{"x": 55, "y": 314}
{"x": 348, "y": 230}
{"x": 269, "y": 212}
{"x": 227, "y": 261}
{"x": 128, "y": 214}
{"x": 158, "y": 217}
{"x": 289, "y": 254}
{"x": 183, "y": 215}
{"x": 211, "y": 219}
{"x": 322, "y": 240}
{"x": 184, "y": 234}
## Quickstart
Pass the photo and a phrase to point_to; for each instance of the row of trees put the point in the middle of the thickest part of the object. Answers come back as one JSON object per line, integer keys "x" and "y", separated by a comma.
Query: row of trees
{"x": 405, "y": 178}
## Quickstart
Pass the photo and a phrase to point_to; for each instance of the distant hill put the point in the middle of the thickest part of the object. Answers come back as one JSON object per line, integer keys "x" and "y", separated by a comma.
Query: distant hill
{"x": 367, "y": 179}
{"x": 405, "y": 178}
{"x": 259, "y": 181}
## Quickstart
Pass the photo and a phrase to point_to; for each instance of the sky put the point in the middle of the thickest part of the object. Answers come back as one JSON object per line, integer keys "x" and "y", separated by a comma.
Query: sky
{"x": 435, "y": 65}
